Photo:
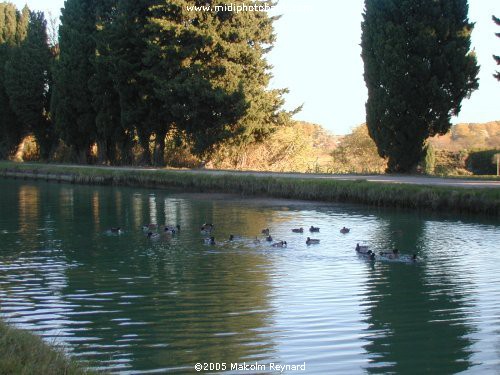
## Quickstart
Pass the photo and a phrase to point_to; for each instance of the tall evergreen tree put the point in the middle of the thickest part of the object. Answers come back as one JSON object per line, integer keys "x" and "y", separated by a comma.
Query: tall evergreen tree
{"x": 125, "y": 35}
{"x": 113, "y": 141}
{"x": 497, "y": 58}
{"x": 27, "y": 82}
{"x": 13, "y": 27}
{"x": 72, "y": 99}
{"x": 209, "y": 71}
{"x": 23, "y": 20}
{"x": 9, "y": 17}
{"x": 418, "y": 69}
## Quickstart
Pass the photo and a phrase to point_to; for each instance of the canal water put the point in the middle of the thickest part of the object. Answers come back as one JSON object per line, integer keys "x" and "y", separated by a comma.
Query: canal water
{"x": 133, "y": 304}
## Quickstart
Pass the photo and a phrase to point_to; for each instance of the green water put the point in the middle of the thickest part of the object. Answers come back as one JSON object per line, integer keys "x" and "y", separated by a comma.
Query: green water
{"x": 132, "y": 304}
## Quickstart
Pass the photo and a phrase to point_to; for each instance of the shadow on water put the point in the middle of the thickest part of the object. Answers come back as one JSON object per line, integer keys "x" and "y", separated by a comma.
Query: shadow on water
{"x": 414, "y": 325}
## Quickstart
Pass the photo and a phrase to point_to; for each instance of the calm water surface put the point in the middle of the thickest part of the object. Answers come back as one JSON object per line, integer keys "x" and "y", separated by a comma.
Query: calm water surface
{"x": 135, "y": 305}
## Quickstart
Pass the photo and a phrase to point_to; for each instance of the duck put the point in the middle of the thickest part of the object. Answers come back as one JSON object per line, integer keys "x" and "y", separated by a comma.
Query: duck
{"x": 298, "y": 230}
{"x": 362, "y": 249}
{"x": 115, "y": 230}
{"x": 313, "y": 229}
{"x": 149, "y": 227}
{"x": 209, "y": 241}
{"x": 345, "y": 230}
{"x": 269, "y": 239}
{"x": 207, "y": 228}
{"x": 369, "y": 254}
{"x": 311, "y": 241}
{"x": 172, "y": 229}
{"x": 153, "y": 236}
{"x": 265, "y": 231}
{"x": 279, "y": 244}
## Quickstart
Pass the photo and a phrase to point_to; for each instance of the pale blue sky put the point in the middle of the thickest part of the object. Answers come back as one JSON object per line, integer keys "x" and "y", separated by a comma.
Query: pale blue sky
{"x": 317, "y": 56}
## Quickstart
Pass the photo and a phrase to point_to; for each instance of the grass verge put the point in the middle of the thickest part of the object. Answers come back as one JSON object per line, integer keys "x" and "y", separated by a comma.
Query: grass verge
{"x": 442, "y": 198}
{"x": 22, "y": 352}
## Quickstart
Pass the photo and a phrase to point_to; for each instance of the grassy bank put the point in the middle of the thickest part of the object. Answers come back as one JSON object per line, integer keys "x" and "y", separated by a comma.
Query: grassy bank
{"x": 485, "y": 201}
{"x": 24, "y": 353}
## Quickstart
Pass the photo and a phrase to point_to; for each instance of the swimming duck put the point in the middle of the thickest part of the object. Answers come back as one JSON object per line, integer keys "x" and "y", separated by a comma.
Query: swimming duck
{"x": 209, "y": 241}
{"x": 298, "y": 230}
{"x": 269, "y": 239}
{"x": 265, "y": 231}
{"x": 279, "y": 244}
{"x": 116, "y": 230}
{"x": 362, "y": 249}
{"x": 313, "y": 229}
{"x": 172, "y": 229}
{"x": 369, "y": 254}
{"x": 153, "y": 236}
{"x": 207, "y": 228}
{"x": 345, "y": 230}
{"x": 311, "y": 241}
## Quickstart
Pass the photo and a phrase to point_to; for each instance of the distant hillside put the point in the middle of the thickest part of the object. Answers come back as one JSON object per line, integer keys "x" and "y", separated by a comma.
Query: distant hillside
{"x": 469, "y": 136}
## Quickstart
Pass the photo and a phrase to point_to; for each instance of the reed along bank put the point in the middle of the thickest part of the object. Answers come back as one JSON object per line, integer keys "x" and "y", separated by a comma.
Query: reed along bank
{"x": 276, "y": 185}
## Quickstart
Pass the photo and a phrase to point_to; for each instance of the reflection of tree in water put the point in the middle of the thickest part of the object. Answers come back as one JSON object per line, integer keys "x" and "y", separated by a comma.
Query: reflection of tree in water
{"x": 174, "y": 302}
{"x": 415, "y": 327}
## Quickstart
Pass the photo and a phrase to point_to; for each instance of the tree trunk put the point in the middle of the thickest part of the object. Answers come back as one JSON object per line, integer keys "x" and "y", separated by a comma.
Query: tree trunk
{"x": 103, "y": 152}
{"x": 159, "y": 150}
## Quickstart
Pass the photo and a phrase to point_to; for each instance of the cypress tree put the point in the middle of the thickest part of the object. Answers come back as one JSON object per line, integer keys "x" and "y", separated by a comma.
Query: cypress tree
{"x": 8, "y": 23}
{"x": 23, "y": 20}
{"x": 209, "y": 71}
{"x": 124, "y": 41}
{"x": 72, "y": 103}
{"x": 113, "y": 141}
{"x": 11, "y": 130}
{"x": 27, "y": 82}
{"x": 418, "y": 69}
{"x": 13, "y": 28}
{"x": 497, "y": 58}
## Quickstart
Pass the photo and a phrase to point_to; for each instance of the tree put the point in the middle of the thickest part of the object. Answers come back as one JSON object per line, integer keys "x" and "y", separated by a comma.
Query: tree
{"x": 429, "y": 162}
{"x": 497, "y": 58}
{"x": 357, "y": 153}
{"x": 114, "y": 140}
{"x": 9, "y": 19}
{"x": 122, "y": 43}
{"x": 13, "y": 29}
{"x": 72, "y": 100}
{"x": 209, "y": 72}
{"x": 23, "y": 20}
{"x": 418, "y": 69}
{"x": 28, "y": 81}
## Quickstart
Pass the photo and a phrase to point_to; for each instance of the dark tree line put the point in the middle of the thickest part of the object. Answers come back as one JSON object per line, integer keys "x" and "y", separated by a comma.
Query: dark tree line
{"x": 128, "y": 72}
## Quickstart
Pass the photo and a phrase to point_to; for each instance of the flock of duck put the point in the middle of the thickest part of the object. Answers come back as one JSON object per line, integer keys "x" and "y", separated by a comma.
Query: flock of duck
{"x": 154, "y": 231}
